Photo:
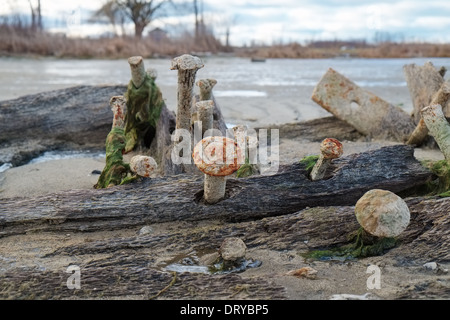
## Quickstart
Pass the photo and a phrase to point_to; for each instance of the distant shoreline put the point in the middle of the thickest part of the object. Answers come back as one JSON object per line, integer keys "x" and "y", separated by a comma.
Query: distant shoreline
{"x": 23, "y": 42}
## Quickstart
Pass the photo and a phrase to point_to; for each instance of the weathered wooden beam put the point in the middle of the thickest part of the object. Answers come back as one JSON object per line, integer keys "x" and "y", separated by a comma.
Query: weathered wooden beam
{"x": 308, "y": 229}
{"x": 125, "y": 278}
{"x": 439, "y": 127}
{"x": 76, "y": 118}
{"x": 80, "y": 114}
{"x": 423, "y": 82}
{"x": 421, "y": 132}
{"x": 367, "y": 113}
{"x": 72, "y": 118}
{"x": 180, "y": 197}
{"x": 134, "y": 266}
{"x": 318, "y": 130}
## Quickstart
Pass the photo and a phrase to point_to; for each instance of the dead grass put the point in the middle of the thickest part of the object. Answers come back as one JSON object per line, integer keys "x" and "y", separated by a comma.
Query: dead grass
{"x": 384, "y": 50}
{"x": 23, "y": 41}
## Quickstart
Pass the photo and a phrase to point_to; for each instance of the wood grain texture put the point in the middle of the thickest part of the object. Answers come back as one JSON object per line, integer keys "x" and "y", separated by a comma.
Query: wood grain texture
{"x": 179, "y": 197}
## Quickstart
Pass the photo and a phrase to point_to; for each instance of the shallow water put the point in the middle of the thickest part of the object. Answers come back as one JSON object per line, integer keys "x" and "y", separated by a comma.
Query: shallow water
{"x": 256, "y": 94}
{"x": 59, "y": 155}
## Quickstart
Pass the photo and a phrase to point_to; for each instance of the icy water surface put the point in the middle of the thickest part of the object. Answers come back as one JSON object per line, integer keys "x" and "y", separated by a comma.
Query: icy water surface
{"x": 276, "y": 91}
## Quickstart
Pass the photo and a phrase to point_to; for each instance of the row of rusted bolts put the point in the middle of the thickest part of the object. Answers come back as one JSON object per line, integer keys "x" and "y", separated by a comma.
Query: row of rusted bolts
{"x": 217, "y": 156}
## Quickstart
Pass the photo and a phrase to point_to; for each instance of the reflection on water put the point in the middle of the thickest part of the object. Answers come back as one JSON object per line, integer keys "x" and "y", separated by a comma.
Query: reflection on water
{"x": 276, "y": 91}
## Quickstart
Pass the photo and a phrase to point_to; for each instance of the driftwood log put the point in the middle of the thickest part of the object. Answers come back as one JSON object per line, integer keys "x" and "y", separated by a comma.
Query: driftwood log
{"x": 427, "y": 87}
{"x": 180, "y": 197}
{"x": 77, "y": 118}
{"x": 318, "y": 130}
{"x": 366, "y": 112}
{"x": 129, "y": 266}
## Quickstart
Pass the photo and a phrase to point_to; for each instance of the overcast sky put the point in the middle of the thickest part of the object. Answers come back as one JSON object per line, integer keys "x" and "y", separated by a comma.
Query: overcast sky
{"x": 272, "y": 21}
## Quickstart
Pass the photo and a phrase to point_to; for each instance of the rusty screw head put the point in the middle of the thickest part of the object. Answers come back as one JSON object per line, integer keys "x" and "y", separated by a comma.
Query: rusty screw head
{"x": 217, "y": 156}
{"x": 143, "y": 166}
{"x": 331, "y": 148}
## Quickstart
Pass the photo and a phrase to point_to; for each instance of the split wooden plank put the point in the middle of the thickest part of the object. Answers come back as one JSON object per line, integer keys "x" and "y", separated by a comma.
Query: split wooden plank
{"x": 366, "y": 112}
{"x": 120, "y": 266}
{"x": 421, "y": 132}
{"x": 423, "y": 83}
{"x": 439, "y": 127}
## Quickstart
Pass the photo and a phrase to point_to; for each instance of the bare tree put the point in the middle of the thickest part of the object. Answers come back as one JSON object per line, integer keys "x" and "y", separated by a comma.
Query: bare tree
{"x": 36, "y": 16}
{"x": 196, "y": 12}
{"x": 225, "y": 23}
{"x": 141, "y": 12}
{"x": 111, "y": 10}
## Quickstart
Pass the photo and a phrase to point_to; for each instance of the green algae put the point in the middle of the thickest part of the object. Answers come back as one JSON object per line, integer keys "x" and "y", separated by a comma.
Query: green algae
{"x": 309, "y": 162}
{"x": 245, "y": 170}
{"x": 221, "y": 266}
{"x": 116, "y": 171}
{"x": 441, "y": 185}
{"x": 442, "y": 170}
{"x": 363, "y": 245}
{"x": 144, "y": 105}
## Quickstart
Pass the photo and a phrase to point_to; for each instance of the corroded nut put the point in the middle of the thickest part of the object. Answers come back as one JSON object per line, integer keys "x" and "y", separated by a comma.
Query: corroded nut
{"x": 331, "y": 148}
{"x": 143, "y": 166}
{"x": 382, "y": 213}
{"x": 217, "y": 156}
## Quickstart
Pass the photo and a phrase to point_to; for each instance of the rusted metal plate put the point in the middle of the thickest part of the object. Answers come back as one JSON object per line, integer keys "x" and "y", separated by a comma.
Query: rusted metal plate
{"x": 366, "y": 112}
{"x": 217, "y": 156}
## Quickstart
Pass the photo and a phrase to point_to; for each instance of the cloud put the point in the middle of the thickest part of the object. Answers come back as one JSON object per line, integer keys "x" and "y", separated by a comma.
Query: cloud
{"x": 344, "y": 19}
{"x": 292, "y": 20}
